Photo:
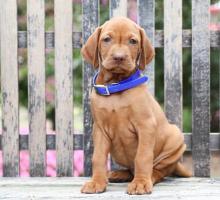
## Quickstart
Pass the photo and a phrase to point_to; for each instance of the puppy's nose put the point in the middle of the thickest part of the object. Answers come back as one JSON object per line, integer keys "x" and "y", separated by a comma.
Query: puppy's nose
{"x": 119, "y": 57}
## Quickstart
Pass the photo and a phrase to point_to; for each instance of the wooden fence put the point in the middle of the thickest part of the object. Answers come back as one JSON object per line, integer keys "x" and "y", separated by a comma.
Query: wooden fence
{"x": 172, "y": 39}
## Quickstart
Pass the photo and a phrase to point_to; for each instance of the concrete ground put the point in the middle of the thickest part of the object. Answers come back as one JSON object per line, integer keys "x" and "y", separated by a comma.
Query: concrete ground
{"x": 69, "y": 188}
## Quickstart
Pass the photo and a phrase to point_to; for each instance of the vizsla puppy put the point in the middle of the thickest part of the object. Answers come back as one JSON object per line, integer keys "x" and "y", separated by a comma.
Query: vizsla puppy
{"x": 129, "y": 124}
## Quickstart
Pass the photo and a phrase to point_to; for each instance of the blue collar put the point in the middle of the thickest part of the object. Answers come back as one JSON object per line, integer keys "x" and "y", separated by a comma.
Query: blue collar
{"x": 132, "y": 81}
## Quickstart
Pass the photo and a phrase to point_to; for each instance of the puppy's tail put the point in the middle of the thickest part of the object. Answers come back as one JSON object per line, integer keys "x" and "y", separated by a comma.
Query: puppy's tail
{"x": 182, "y": 171}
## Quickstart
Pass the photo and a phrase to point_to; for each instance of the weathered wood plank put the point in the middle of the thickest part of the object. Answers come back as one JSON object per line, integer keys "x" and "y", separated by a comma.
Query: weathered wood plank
{"x": 173, "y": 61}
{"x": 36, "y": 86}
{"x": 146, "y": 19}
{"x": 50, "y": 142}
{"x": 200, "y": 87}
{"x": 63, "y": 85}
{"x": 186, "y": 38}
{"x": 69, "y": 188}
{"x": 117, "y": 8}
{"x": 9, "y": 87}
{"x": 214, "y": 142}
{"x": 158, "y": 40}
{"x": 49, "y": 39}
{"x": 90, "y": 22}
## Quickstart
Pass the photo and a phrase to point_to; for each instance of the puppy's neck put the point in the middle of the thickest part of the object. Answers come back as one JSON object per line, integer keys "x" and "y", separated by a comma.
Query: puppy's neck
{"x": 107, "y": 77}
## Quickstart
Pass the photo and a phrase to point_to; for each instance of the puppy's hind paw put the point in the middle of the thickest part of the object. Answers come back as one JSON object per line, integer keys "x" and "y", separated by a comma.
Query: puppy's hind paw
{"x": 120, "y": 176}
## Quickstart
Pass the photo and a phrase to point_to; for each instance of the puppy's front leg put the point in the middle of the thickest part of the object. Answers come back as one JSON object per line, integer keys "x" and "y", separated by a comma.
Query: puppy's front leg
{"x": 143, "y": 164}
{"x": 99, "y": 179}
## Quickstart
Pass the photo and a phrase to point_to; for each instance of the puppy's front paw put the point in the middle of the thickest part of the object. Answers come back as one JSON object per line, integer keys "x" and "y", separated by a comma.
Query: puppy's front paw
{"x": 140, "y": 186}
{"x": 92, "y": 187}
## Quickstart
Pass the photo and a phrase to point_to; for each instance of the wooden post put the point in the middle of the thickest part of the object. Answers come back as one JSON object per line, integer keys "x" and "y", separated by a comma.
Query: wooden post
{"x": 36, "y": 86}
{"x": 200, "y": 87}
{"x": 64, "y": 88}
{"x": 9, "y": 87}
{"x": 146, "y": 19}
{"x": 90, "y": 22}
{"x": 173, "y": 60}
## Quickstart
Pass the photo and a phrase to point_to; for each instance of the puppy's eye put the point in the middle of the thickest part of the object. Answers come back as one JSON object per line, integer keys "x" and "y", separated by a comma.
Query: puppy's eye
{"x": 107, "y": 39}
{"x": 133, "y": 41}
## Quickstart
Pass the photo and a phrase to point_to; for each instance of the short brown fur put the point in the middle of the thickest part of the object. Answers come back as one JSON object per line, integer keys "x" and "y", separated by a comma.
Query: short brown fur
{"x": 130, "y": 125}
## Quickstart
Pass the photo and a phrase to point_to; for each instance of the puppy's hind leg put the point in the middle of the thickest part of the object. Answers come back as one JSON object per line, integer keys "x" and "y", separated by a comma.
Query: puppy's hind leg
{"x": 159, "y": 174}
{"x": 180, "y": 170}
{"x": 175, "y": 169}
{"x": 120, "y": 176}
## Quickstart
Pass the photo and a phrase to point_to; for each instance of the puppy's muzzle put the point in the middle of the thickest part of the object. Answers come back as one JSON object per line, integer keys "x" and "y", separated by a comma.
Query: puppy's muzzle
{"x": 119, "y": 57}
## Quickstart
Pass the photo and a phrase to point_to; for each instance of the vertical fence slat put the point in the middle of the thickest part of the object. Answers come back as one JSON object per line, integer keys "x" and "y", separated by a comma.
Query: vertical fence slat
{"x": 173, "y": 60}
{"x": 146, "y": 19}
{"x": 63, "y": 84}
{"x": 118, "y": 8}
{"x": 9, "y": 87}
{"x": 36, "y": 86}
{"x": 90, "y": 22}
{"x": 201, "y": 87}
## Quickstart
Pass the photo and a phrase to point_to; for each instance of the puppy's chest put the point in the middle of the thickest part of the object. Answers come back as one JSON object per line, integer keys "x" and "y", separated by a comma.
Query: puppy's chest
{"x": 113, "y": 114}
{"x": 109, "y": 105}
{"x": 116, "y": 124}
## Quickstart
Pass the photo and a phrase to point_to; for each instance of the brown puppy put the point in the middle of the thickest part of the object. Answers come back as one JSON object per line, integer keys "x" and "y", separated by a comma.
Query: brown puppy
{"x": 130, "y": 124}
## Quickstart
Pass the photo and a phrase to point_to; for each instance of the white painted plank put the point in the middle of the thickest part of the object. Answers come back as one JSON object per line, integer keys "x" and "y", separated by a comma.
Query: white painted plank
{"x": 36, "y": 86}
{"x": 63, "y": 85}
{"x": 118, "y": 8}
{"x": 173, "y": 60}
{"x": 9, "y": 87}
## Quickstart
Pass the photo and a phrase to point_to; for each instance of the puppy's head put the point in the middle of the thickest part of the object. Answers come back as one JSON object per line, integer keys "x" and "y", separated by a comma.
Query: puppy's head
{"x": 119, "y": 46}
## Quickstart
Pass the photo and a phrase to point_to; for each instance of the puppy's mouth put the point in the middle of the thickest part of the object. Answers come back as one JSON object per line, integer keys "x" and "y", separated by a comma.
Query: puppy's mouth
{"x": 117, "y": 70}
{"x": 118, "y": 67}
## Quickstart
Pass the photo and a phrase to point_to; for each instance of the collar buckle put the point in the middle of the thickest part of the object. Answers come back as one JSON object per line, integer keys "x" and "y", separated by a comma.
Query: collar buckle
{"x": 107, "y": 93}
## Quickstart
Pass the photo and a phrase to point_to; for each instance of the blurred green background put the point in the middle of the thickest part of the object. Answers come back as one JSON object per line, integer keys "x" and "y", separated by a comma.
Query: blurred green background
{"x": 77, "y": 71}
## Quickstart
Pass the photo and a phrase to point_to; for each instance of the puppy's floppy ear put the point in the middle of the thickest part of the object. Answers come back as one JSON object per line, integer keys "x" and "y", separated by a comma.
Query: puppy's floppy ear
{"x": 89, "y": 50}
{"x": 147, "y": 50}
